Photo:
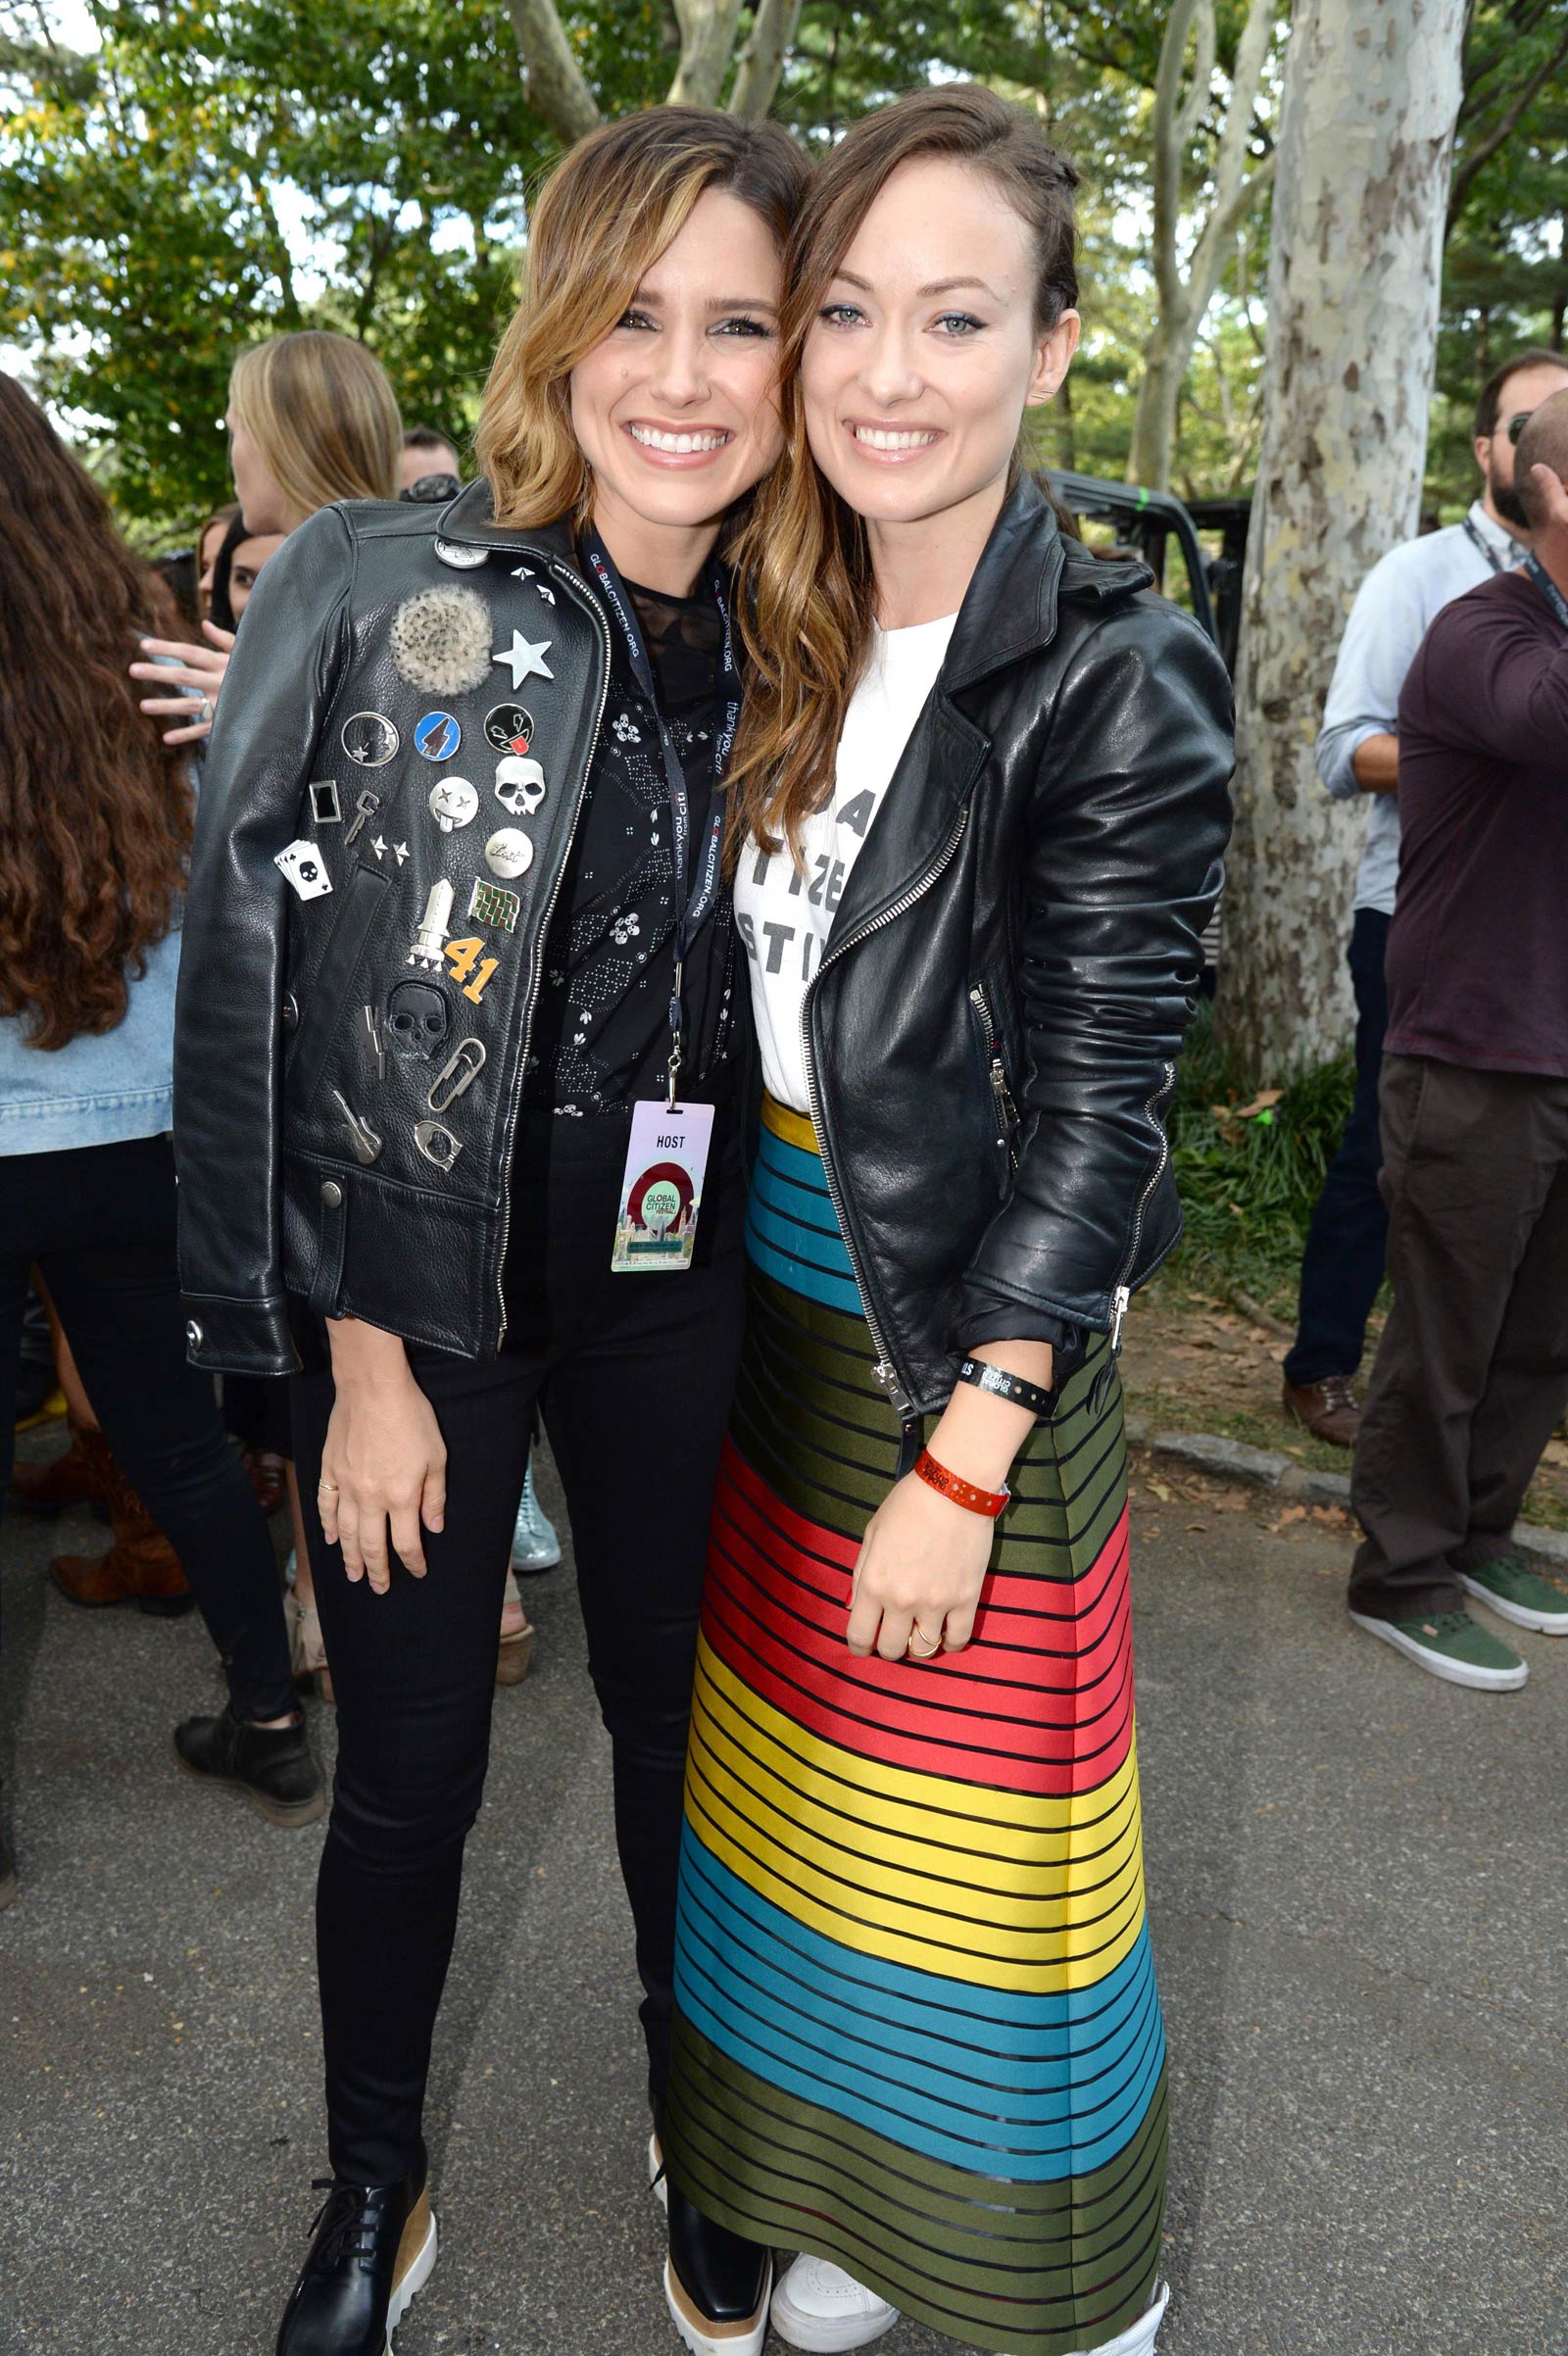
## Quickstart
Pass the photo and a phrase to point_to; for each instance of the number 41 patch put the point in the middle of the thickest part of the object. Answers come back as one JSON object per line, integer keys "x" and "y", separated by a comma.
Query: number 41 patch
{"x": 468, "y": 957}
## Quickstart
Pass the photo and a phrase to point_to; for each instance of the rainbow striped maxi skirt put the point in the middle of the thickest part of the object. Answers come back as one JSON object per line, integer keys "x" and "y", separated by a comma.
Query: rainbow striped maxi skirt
{"x": 916, "y": 2027}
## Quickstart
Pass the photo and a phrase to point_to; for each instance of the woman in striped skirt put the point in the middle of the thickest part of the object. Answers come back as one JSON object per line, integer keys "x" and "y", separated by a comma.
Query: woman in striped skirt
{"x": 982, "y": 789}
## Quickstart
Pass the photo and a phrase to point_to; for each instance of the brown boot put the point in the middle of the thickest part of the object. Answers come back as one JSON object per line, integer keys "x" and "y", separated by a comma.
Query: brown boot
{"x": 75, "y": 1478}
{"x": 1329, "y": 1409}
{"x": 141, "y": 1567}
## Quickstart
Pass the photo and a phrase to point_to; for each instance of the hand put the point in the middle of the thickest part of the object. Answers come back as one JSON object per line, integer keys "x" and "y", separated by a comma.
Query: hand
{"x": 921, "y": 1570}
{"x": 384, "y": 1464}
{"x": 200, "y": 667}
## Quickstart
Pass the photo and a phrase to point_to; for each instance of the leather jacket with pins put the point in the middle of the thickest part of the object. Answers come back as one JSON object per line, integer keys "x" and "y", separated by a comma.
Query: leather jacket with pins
{"x": 991, "y": 1033}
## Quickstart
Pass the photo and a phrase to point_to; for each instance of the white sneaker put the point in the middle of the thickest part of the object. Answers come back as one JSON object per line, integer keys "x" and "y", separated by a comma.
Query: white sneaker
{"x": 819, "y": 2307}
{"x": 535, "y": 1546}
{"x": 1139, "y": 2338}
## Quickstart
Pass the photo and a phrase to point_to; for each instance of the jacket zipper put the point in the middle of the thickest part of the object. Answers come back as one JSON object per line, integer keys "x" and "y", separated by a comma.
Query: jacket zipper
{"x": 885, "y": 1368}
{"x": 1122, "y": 1295}
{"x": 1007, "y": 1111}
{"x": 564, "y": 573}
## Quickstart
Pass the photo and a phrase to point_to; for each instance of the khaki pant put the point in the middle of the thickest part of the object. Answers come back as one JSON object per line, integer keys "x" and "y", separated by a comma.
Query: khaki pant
{"x": 1472, "y": 1375}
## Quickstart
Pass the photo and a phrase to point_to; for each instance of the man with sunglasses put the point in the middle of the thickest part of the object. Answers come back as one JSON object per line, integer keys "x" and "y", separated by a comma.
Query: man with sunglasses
{"x": 1358, "y": 753}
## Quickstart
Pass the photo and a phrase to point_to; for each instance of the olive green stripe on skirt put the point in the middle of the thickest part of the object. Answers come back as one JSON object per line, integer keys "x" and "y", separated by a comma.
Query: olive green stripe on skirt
{"x": 817, "y": 1427}
{"x": 1031, "y": 2266}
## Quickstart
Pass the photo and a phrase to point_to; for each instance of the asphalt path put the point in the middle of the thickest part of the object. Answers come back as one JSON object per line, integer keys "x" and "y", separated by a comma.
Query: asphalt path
{"x": 1357, "y": 1903}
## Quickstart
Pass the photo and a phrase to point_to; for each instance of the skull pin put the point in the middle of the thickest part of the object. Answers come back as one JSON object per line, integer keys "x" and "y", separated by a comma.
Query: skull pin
{"x": 519, "y": 784}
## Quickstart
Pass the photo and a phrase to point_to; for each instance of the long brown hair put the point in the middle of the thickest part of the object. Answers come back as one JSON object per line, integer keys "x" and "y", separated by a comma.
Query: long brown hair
{"x": 804, "y": 558}
{"x": 322, "y": 410}
{"x": 609, "y": 208}
{"x": 95, "y": 810}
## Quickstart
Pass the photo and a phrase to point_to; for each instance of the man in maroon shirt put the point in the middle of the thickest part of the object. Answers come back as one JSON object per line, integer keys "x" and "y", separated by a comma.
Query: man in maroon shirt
{"x": 1472, "y": 1375}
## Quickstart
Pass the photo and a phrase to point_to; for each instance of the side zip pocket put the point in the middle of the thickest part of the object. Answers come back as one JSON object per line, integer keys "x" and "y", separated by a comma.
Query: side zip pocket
{"x": 1004, "y": 1110}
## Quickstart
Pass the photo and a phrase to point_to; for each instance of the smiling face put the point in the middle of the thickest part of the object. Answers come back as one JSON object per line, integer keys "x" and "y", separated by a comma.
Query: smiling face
{"x": 926, "y": 351}
{"x": 676, "y": 412}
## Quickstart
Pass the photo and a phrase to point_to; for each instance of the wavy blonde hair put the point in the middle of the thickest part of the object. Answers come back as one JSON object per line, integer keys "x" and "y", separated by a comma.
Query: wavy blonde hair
{"x": 322, "y": 414}
{"x": 611, "y": 207}
{"x": 802, "y": 557}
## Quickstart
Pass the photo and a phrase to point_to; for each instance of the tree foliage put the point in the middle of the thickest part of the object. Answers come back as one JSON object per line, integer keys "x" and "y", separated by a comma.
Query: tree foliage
{"x": 215, "y": 170}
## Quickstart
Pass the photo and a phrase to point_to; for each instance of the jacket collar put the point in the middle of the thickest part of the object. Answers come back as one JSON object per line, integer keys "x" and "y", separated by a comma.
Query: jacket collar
{"x": 469, "y": 520}
{"x": 1027, "y": 567}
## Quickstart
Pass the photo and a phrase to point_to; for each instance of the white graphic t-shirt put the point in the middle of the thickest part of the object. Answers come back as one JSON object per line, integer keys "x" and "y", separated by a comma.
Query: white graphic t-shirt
{"x": 785, "y": 914}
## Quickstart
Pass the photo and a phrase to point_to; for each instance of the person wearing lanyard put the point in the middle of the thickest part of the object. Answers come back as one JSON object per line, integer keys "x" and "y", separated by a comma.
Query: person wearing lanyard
{"x": 1357, "y": 755}
{"x": 1471, "y": 1377}
{"x": 462, "y": 824}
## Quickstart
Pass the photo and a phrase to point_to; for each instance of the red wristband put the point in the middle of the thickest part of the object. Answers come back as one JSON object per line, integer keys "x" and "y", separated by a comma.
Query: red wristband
{"x": 989, "y": 1501}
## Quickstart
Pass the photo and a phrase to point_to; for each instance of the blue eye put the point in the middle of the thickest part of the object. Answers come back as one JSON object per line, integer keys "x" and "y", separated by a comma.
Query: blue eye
{"x": 959, "y": 323}
{"x": 840, "y": 315}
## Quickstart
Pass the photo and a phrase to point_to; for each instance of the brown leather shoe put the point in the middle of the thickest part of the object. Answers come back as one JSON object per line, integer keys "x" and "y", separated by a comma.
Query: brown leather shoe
{"x": 141, "y": 1567}
{"x": 1329, "y": 1409}
{"x": 75, "y": 1478}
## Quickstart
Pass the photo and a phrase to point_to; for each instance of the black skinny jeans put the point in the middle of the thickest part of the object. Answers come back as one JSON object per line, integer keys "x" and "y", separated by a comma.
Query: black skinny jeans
{"x": 100, "y": 1223}
{"x": 635, "y": 1376}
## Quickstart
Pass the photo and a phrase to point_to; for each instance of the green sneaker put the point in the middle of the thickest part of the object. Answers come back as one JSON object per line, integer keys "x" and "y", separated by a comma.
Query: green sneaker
{"x": 1518, "y": 1593}
{"x": 1452, "y": 1647}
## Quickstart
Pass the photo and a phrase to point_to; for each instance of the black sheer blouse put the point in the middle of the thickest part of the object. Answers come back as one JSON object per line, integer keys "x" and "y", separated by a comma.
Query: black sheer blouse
{"x": 602, "y": 1030}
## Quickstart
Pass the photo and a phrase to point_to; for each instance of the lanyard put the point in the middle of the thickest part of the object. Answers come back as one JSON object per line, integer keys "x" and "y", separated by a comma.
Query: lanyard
{"x": 1479, "y": 540}
{"x": 1548, "y": 588}
{"x": 693, "y": 908}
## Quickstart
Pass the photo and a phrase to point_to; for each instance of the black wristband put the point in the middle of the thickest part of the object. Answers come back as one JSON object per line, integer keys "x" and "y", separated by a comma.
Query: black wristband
{"x": 1010, "y": 1386}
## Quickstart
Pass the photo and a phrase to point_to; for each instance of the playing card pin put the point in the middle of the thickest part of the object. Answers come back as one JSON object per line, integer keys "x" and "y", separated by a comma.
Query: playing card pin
{"x": 302, "y": 866}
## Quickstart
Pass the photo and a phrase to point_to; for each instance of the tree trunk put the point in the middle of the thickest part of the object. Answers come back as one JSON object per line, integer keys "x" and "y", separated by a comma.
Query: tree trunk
{"x": 1367, "y": 132}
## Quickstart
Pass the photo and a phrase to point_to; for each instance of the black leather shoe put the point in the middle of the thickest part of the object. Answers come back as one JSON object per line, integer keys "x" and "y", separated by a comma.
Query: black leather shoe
{"x": 375, "y": 2247}
{"x": 272, "y": 1765}
{"x": 716, "y": 2284}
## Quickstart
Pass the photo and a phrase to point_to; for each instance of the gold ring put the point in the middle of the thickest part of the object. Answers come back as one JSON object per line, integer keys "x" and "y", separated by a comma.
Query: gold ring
{"x": 329, "y": 1485}
{"x": 932, "y": 1644}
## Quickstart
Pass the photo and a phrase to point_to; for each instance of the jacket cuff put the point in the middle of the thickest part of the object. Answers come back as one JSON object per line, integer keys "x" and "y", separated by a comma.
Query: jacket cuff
{"x": 1014, "y": 1323}
{"x": 239, "y": 1337}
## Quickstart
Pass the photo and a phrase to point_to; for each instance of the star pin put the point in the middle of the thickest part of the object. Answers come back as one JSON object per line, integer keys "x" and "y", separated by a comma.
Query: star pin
{"x": 378, "y": 846}
{"x": 399, "y": 852}
{"x": 548, "y": 595}
{"x": 524, "y": 661}
{"x": 522, "y": 572}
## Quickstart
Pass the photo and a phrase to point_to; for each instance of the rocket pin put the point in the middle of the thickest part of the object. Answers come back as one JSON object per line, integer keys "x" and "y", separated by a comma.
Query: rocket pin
{"x": 430, "y": 939}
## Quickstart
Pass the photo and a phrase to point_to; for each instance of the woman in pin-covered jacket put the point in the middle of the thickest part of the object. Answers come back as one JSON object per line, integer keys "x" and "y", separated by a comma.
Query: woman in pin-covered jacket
{"x": 430, "y": 972}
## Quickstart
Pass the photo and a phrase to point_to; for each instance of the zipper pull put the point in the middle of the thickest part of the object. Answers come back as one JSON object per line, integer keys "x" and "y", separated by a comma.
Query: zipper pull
{"x": 887, "y": 1374}
{"x": 1120, "y": 1301}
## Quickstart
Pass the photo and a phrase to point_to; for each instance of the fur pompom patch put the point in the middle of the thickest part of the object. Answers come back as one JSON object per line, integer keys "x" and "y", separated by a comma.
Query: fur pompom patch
{"x": 441, "y": 641}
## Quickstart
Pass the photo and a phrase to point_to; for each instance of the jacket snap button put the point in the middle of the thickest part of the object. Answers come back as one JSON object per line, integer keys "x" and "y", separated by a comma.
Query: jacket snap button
{"x": 331, "y": 1193}
{"x": 193, "y": 1333}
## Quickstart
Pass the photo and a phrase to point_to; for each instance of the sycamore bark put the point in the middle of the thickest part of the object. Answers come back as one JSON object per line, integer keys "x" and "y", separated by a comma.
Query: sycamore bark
{"x": 1366, "y": 131}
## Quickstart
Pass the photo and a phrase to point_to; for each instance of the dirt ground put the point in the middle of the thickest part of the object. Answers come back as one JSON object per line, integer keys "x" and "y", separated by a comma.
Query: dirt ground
{"x": 1195, "y": 1362}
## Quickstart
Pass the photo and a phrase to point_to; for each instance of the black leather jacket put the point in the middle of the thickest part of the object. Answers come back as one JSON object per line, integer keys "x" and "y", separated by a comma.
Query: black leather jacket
{"x": 306, "y": 1069}
{"x": 992, "y": 1031}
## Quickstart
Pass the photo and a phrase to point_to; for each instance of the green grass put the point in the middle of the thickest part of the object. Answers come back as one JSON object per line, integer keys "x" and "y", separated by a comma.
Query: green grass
{"x": 1249, "y": 1185}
